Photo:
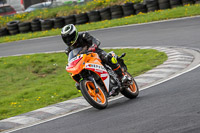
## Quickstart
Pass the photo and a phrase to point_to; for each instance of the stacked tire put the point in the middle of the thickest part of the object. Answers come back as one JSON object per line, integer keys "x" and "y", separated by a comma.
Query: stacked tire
{"x": 13, "y": 27}
{"x": 140, "y": 8}
{"x": 116, "y": 11}
{"x": 82, "y": 18}
{"x": 46, "y": 24}
{"x": 152, "y": 5}
{"x": 94, "y": 16}
{"x": 185, "y": 2}
{"x": 3, "y": 32}
{"x": 128, "y": 9}
{"x": 59, "y": 22}
{"x": 164, "y": 4}
{"x": 105, "y": 13}
{"x": 36, "y": 25}
{"x": 175, "y": 3}
{"x": 24, "y": 27}
{"x": 70, "y": 19}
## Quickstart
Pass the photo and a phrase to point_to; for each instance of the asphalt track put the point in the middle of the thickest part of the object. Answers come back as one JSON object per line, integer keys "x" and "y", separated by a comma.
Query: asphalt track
{"x": 170, "y": 107}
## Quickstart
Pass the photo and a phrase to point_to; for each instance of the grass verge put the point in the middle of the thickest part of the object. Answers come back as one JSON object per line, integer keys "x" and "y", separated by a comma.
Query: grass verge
{"x": 30, "y": 82}
{"x": 185, "y": 11}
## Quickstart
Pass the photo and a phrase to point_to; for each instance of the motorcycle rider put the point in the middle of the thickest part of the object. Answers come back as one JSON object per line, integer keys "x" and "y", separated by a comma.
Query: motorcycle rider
{"x": 73, "y": 40}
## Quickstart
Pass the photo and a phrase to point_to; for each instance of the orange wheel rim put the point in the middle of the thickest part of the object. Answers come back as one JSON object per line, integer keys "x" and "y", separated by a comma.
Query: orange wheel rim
{"x": 133, "y": 87}
{"x": 98, "y": 97}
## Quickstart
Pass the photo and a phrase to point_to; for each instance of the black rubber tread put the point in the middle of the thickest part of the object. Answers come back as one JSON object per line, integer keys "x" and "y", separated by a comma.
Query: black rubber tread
{"x": 163, "y": 1}
{"x": 105, "y": 13}
{"x": 13, "y": 28}
{"x": 3, "y": 32}
{"x": 59, "y": 22}
{"x": 13, "y": 32}
{"x": 128, "y": 9}
{"x": 36, "y": 29}
{"x": 70, "y": 19}
{"x": 151, "y": 3}
{"x": 175, "y": 2}
{"x": 174, "y": 6}
{"x": 47, "y": 24}
{"x": 141, "y": 10}
{"x": 164, "y": 6}
{"x": 23, "y": 24}
{"x": 24, "y": 29}
{"x": 82, "y": 18}
{"x": 185, "y": 2}
{"x": 13, "y": 23}
{"x": 139, "y": 6}
{"x": 94, "y": 16}
{"x": 127, "y": 93}
{"x": 152, "y": 9}
{"x": 116, "y": 11}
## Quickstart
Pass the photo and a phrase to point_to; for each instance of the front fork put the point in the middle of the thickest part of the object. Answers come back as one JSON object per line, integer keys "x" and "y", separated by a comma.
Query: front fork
{"x": 95, "y": 83}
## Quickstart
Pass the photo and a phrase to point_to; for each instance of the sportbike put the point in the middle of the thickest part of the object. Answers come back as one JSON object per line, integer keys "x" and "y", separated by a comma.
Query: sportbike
{"x": 96, "y": 79}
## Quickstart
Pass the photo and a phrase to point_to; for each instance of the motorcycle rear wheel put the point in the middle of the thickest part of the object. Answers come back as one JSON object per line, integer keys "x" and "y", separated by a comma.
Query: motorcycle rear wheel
{"x": 96, "y": 99}
{"x": 132, "y": 91}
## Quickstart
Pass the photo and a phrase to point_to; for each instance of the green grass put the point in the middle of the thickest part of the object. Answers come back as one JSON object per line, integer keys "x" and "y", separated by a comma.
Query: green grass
{"x": 30, "y": 82}
{"x": 188, "y": 10}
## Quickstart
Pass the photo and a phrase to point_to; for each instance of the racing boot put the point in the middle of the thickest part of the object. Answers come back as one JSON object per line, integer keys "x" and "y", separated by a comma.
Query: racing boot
{"x": 124, "y": 78}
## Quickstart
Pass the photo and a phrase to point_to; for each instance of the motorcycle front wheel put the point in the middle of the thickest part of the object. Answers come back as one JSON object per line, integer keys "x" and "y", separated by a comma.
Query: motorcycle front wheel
{"x": 96, "y": 98}
{"x": 132, "y": 91}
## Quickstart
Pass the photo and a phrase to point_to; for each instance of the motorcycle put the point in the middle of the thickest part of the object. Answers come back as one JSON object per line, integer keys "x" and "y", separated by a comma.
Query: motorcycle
{"x": 96, "y": 79}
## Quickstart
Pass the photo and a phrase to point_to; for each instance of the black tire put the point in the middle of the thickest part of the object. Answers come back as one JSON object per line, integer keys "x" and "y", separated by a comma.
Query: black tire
{"x": 128, "y": 9}
{"x": 116, "y": 11}
{"x": 82, "y": 18}
{"x": 164, "y": 6}
{"x": 70, "y": 19}
{"x": 185, "y": 2}
{"x": 152, "y": 9}
{"x": 141, "y": 10}
{"x": 132, "y": 91}
{"x": 105, "y": 13}
{"x": 139, "y": 6}
{"x": 13, "y": 32}
{"x": 24, "y": 27}
{"x": 163, "y": 1}
{"x": 36, "y": 25}
{"x": 3, "y": 32}
{"x": 13, "y": 25}
{"x": 89, "y": 98}
{"x": 151, "y": 3}
{"x": 46, "y": 24}
{"x": 59, "y": 22}
{"x": 94, "y": 16}
{"x": 175, "y": 2}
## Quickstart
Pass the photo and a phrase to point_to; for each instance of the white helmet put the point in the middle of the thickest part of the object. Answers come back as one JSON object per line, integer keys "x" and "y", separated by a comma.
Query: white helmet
{"x": 69, "y": 34}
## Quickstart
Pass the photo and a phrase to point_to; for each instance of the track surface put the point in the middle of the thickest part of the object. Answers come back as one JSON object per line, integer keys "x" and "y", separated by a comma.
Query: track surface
{"x": 172, "y": 106}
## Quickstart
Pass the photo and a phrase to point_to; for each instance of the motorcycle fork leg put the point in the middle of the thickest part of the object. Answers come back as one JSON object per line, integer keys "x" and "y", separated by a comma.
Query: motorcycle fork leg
{"x": 95, "y": 84}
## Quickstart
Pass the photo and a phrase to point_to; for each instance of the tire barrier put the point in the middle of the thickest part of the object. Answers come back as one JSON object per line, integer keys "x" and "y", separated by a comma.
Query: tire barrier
{"x": 94, "y": 16}
{"x": 105, "y": 13}
{"x": 82, "y": 18}
{"x": 164, "y": 4}
{"x": 36, "y": 25}
{"x": 116, "y": 11}
{"x": 13, "y": 27}
{"x": 3, "y": 32}
{"x": 140, "y": 8}
{"x": 24, "y": 27}
{"x": 59, "y": 22}
{"x": 185, "y": 2}
{"x": 113, "y": 12}
{"x": 70, "y": 19}
{"x": 128, "y": 9}
{"x": 175, "y": 3}
{"x": 152, "y": 5}
{"x": 46, "y": 24}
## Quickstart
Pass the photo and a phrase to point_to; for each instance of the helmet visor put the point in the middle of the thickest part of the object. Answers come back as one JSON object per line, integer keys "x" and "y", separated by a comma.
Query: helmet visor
{"x": 70, "y": 39}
